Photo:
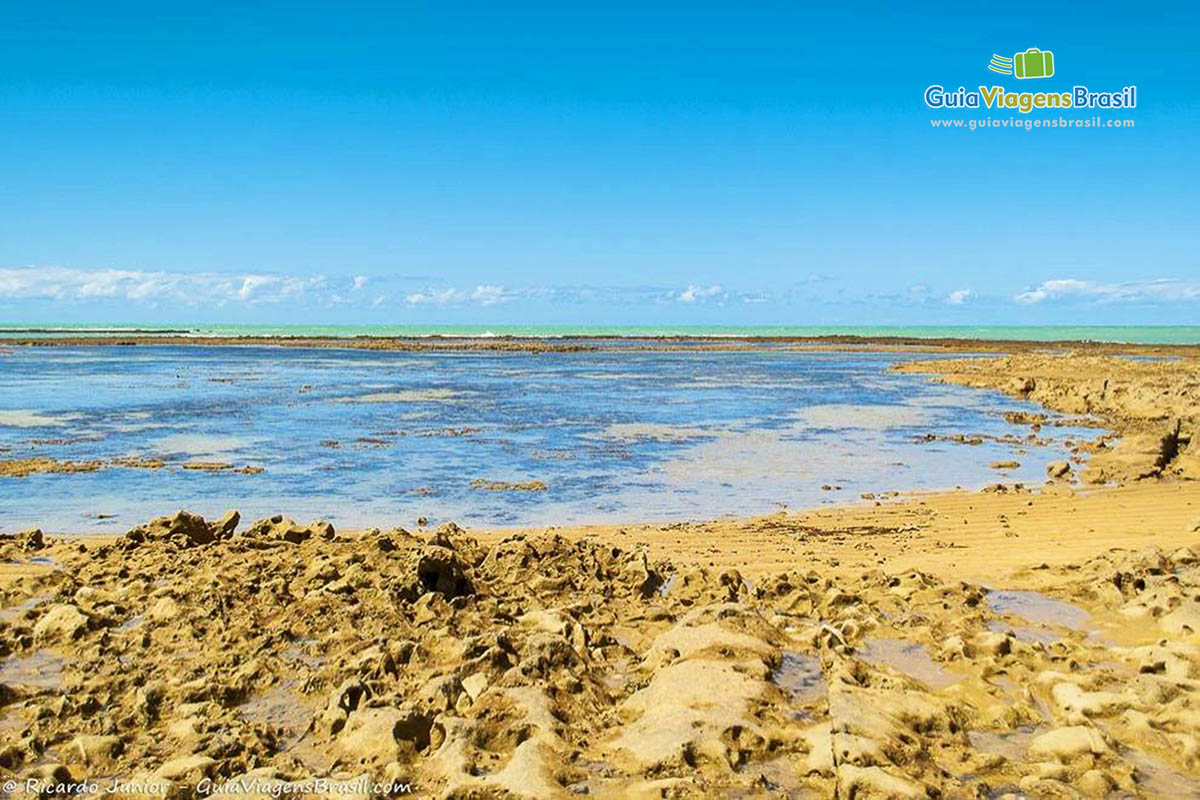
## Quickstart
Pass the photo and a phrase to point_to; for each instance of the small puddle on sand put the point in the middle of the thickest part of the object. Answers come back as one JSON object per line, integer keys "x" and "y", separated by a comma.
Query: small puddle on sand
{"x": 1009, "y": 744}
{"x": 298, "y": 652}
{"x": 800, "y": 676}
{"x": 775, "y": 778}
{"x": 619, "y": 677}
{"x": 1001, "y": 681}
{"x": 910, "y": 658}
{"x": 1023, "y": 633}
{"x": 11, "y": 721}
{"x": 14, "y": 612}
{"x": 1039, "y": 609}
{"x": 39, "y": 670}
{"x": 131, "y": 624}
{"x": 280, "y": 707}
{"x": 1159, "y": 778}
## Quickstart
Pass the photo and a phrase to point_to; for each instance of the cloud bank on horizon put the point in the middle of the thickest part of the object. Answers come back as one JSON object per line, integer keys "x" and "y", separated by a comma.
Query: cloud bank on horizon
{"x": 38, "y": 293}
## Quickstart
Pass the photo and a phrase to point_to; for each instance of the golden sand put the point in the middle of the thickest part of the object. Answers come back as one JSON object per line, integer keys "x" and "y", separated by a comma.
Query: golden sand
{"x": 1015, "y": 642}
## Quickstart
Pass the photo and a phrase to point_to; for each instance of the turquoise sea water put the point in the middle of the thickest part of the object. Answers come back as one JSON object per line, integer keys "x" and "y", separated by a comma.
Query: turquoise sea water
{"x": 383, "y": 438}
{"x": 1143, "y": 334}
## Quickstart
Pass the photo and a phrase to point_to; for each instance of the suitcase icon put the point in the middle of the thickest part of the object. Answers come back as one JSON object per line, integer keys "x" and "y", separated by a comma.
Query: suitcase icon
{"x": 1033, "y": 63}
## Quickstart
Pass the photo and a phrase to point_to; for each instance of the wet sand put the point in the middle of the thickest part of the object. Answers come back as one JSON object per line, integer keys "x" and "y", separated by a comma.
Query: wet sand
{"x": 1015, "y": 642}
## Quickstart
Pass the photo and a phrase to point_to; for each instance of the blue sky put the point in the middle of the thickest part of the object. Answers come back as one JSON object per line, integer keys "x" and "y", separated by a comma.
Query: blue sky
{"x": 628, "y": 163}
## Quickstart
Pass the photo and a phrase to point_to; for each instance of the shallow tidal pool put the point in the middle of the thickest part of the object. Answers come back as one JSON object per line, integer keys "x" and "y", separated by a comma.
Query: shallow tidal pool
{"x": 498, "y": 438}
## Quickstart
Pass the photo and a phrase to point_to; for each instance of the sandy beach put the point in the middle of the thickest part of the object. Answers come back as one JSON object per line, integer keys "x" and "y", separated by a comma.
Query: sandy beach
{"x": 1019, "y": 641}
{"x": 539, "y": 401}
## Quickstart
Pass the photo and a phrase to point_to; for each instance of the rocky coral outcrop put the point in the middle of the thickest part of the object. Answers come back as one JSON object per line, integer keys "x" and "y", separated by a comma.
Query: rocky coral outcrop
{"x": 1151, "y": 407}
{"x": 546, "y": 667}
{"x": 185, "y": 529}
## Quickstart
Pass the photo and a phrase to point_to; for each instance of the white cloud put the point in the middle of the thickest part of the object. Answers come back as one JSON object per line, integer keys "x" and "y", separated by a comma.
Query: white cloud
{"x": 1156, "y": 291}
{"x": 489, "y": 295}
{"x": 695, "y": 293}
{"x": 165, "y": 289}
{"x": 150, "y": 287}
{"x": 483, "y": 295}
{"x": 250, "y": 284}
{"x": 435, "y": 297}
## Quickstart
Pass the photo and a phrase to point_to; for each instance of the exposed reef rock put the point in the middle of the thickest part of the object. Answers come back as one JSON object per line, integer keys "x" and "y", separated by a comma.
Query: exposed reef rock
{"x": 1151, "y": 407}
{"x": 541, "y": 667}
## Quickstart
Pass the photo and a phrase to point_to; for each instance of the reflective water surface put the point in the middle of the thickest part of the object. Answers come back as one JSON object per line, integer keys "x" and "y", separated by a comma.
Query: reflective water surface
{"x": 362, "y": 437}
